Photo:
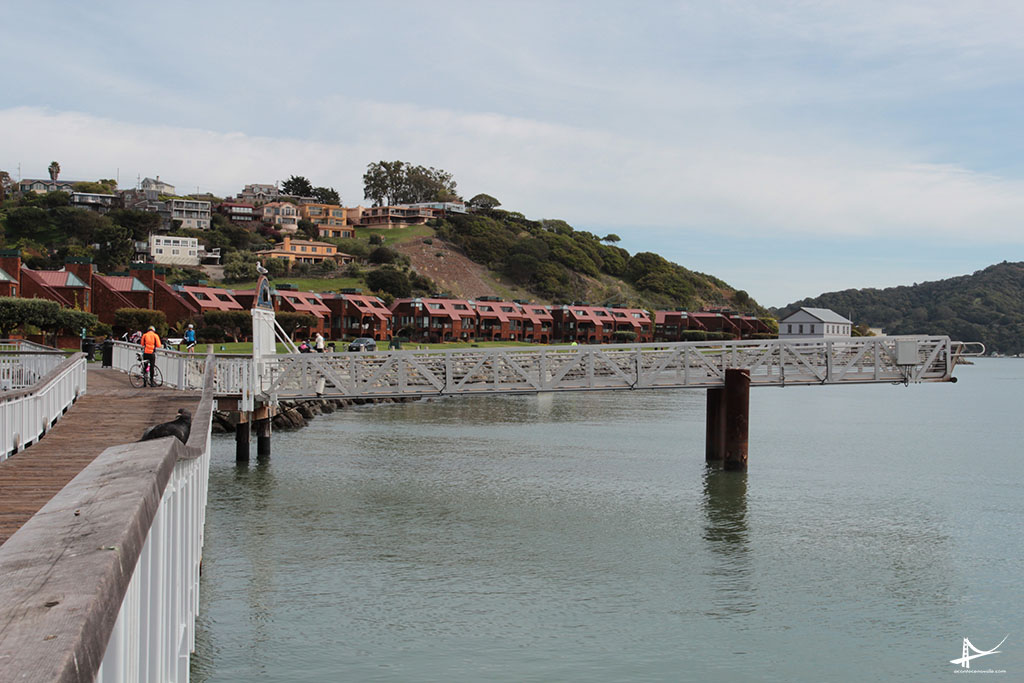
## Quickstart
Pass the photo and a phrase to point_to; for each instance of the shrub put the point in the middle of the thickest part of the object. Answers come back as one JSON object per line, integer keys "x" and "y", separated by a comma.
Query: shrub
{"x": 210, "y": 334}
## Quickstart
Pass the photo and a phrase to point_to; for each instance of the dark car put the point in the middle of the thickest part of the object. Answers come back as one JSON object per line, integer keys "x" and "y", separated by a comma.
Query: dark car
{"x": 362, "y": 344}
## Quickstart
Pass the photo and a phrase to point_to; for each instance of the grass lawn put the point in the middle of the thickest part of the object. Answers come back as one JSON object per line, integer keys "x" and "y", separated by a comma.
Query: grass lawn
{"x": 396, "y": 235}
{"x": 304, "y": 284}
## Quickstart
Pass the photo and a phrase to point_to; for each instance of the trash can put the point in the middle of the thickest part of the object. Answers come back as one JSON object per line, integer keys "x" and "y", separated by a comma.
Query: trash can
{"x": 108, "y": 353}
{"x": 88, "y": 347}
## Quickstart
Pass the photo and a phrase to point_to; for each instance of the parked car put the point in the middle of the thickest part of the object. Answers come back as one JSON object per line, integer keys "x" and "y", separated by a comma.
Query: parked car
{"x": 362, "y": 344}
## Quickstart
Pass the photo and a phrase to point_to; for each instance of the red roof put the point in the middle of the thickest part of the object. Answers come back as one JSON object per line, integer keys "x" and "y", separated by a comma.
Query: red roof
{"x": 534, "y": 313}
{"x": 501, "y": 310}
{"x": 304, "y": 302}
{"x": 211, "y": 298}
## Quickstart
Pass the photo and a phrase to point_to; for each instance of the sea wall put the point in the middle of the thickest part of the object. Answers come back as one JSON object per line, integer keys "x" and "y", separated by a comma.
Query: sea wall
{"x": 297, "y": 414}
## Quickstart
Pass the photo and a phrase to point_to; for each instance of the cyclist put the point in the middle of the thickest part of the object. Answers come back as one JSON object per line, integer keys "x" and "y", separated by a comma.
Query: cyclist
{"x": 190, "y": 338}
{"x": 150, "y": 343}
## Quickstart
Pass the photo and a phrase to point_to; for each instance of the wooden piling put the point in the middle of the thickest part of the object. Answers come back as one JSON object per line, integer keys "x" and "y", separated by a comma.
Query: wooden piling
{"x": 263, "y": 432}
{"x": 737, "y": 418}
{"x": 714, "y": 438}
{"x": 242, "y": 439}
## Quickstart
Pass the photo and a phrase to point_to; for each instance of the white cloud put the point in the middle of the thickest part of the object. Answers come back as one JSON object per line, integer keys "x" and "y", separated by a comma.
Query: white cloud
{"x": 736, "y": 181}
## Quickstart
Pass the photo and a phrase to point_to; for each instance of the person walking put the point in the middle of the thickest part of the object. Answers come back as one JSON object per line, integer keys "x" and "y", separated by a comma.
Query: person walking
{"x": 319, "y": 345}
{"x": 190, "y": 338}
{"x": 150, "y": 343}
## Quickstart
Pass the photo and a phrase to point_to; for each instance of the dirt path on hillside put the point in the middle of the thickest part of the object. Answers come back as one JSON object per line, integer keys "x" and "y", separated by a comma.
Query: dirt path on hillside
{"x": 451, "y": 270}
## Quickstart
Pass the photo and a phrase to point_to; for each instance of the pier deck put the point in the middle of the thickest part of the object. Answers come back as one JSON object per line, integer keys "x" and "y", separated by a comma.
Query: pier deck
{"x": 111, "y": 412}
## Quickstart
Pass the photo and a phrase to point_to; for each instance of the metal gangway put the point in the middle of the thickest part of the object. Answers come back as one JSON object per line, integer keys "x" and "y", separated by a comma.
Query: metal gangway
{"x": 509, "y": 370}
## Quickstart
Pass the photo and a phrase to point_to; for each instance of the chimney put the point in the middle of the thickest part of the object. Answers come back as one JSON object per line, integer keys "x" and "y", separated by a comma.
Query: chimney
{"x": 145, "y": 272}
{"x": 82, "y": 268}
{"x": 161, "y": 274}
{"x": 10, "y": 261}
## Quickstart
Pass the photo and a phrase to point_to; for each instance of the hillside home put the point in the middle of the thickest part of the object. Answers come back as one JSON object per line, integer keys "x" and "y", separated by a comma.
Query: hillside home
{"x": 192, "y": 213}
{"x": 39, "y": 186}
{"x": 389, "y": 216}
{"x": 305, "y": 251}
{"x": 238, "y": 212}
{"x": 259, "y": 193}
{"x": 813, "y": 324}
{"x": 174, "y": 251}
{"x": 282, "y": 215}
{"x": 100, "y": 203}
{"x": 331, "y": 219}
{"x": 156, "y": 185}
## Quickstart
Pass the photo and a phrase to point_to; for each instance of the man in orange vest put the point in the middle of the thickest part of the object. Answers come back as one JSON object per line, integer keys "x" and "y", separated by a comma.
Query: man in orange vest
{"x": 150, "y": 343}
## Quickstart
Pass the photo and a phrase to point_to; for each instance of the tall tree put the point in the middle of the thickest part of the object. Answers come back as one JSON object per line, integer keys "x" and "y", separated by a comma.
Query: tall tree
{"x": 484, "y": 201}
{"x": 5, "y": 184}
{"x": 297, "y": 185}
{"x": 327, "y": 195}
{"x": 384, "y": 182}
{"x": 54, "y": 170}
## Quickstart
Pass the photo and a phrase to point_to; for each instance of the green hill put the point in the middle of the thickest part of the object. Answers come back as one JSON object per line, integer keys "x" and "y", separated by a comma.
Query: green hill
{"x": 987, "y": 306}
{"x": 557, "y": 263}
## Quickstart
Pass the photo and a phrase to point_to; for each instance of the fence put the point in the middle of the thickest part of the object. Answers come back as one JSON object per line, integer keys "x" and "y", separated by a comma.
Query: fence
{"x": 44, "y": 384}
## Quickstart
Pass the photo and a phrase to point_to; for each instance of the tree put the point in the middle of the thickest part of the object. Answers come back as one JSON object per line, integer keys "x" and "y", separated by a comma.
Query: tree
{"x": 240, "y": 266}
{"x": 384, "y": 182}
{"x": 103, "y": 186}
{"x": 382, "y": 255}
{"x": 391, "y": 280}
{"x": 327, "y": 195}
{"x": 116, "y": 247}
{"x": 54, "y": 170}
{"x": 611, "y": 237}
{"x": 484, "y": 201}
{"x": 291, "y": 321}
{"x": 26, "y": 221}
{"x": 16, "y": 312}
{"x": 234, "y": 323}
{"x": 140, "y": 223}
{"x": 6, "y": 184}
{"x": 297, "y": 185}
{"x": 309, "y": 229}
{"x": 397, "y": 182}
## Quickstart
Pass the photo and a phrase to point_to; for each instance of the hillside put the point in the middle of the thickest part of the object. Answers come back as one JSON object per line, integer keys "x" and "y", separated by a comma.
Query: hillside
{"x": 550, "y": 261}
{"x": 987, "y": 306}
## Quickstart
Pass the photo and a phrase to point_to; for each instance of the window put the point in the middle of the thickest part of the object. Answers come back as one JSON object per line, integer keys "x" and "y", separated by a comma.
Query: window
{"x": 789, "y": 328}
{"x": 812, "y": 329}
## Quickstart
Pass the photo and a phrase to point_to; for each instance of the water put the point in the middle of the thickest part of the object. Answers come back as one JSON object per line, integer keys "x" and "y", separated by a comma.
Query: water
{"x": 580, "y": 537}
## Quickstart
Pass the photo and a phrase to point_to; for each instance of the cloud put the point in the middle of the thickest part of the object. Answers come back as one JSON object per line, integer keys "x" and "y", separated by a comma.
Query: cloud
{"x": 735, "y": 181}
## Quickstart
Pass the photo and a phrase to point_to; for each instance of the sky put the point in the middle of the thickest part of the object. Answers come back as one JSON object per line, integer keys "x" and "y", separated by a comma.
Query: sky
{"x": 788, "y": 148}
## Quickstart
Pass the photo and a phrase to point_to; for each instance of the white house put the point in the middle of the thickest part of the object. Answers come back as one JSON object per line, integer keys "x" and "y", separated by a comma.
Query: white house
{"x": 814, "y": 323}
{"x": 174, "y": 251}
{"x": 157, "y": 185}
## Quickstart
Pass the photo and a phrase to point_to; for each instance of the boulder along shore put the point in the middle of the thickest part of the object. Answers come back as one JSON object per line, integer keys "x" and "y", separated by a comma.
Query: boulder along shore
{"x": 297, "y": 414}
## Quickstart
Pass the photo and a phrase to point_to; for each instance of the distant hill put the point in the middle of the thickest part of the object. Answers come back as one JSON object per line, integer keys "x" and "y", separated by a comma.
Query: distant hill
{"x": 987, "y": 306}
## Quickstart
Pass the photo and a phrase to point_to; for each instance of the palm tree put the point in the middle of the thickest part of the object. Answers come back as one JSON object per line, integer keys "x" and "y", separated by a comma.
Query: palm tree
{"x": 54, "y": 170}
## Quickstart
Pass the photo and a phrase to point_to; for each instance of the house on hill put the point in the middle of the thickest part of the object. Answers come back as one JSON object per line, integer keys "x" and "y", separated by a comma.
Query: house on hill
{"x": 814, "y": 323}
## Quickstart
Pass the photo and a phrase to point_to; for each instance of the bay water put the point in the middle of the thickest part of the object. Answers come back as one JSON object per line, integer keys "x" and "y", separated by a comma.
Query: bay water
{"x": 582, "y": 537}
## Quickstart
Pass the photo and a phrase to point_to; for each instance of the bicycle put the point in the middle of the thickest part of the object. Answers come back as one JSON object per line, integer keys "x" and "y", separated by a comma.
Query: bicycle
{"x": 138, "y": 375}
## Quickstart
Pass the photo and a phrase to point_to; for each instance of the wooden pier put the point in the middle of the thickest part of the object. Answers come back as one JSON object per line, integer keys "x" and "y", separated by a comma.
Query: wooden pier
{"x": 110, "y": 412}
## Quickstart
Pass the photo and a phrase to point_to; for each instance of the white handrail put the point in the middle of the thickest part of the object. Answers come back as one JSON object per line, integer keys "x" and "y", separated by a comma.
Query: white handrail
{"x": 27, "y": 414}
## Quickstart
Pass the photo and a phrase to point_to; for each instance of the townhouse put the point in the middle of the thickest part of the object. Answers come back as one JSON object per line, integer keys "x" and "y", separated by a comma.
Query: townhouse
{"x": 434, "y": 319}
{"x": 354, "y": 314}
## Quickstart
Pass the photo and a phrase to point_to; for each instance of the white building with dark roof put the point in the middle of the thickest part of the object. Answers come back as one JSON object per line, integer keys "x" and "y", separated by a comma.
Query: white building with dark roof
{"x": 813, "y": 324}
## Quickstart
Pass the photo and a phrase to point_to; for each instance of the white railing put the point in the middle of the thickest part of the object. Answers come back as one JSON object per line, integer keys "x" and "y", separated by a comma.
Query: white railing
{"x": 154, "y": 634}
{"x": 22, "y": 364}
{"x": 613, "y": 366}
{"x": 26, "y": 414}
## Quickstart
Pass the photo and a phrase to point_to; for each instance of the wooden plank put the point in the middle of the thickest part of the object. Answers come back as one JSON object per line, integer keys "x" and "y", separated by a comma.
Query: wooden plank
{"x": 110, "y": 412}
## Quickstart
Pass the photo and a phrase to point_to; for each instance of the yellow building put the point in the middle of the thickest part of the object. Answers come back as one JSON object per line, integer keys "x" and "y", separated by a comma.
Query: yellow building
{"x": 330, "y": 219}
{"x": 304, "y": 251}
